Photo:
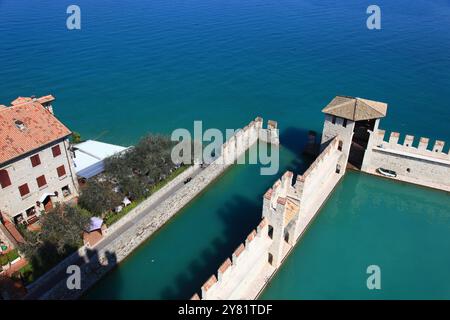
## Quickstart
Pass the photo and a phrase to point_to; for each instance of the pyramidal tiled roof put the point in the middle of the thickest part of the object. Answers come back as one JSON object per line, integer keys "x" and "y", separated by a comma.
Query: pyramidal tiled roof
{"x": 26, "y": 127}
{"x": 355, "y": 109}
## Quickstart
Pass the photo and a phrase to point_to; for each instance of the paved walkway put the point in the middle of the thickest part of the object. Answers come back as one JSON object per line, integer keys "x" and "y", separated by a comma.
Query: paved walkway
{"x": 60, "y": 275}
{"x": 147, "y": 211}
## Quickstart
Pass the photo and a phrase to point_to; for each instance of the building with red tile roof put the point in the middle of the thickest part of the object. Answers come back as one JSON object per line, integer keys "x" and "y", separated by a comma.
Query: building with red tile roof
{"x": 36, "y": 165}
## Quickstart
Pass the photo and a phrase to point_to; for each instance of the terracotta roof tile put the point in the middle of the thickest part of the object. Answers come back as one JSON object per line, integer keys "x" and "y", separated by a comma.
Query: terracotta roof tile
{"x": 268, "y": 194}
{"x": 45, "y": 99}
{"x": 251, "y": 236}
{"x": 239, "y": 250}
{"x": 20, "y": 100}
{"x": 40, "y": 127}
{"x": 195, "y": 297}
{"x": 356, "y": 108}
{"x": 263, "y": 223}
{"x": 209, "y": 283}
{"x": 225, "y": 266}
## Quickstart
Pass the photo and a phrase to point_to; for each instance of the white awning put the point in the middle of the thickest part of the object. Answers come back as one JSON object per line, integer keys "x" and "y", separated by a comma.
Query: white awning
{"x": 45, "y": 195}
{"x": 95, "y": 224}
{"x": 89, "y": 156}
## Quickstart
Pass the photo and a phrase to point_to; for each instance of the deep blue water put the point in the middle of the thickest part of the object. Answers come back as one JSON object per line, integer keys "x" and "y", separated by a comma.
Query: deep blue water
{"x": 140, "y": 66}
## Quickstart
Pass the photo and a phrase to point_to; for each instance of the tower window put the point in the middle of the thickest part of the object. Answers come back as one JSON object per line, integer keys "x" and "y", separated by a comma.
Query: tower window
{"x": 345, "y": 123}
{"x": 333, "y": 119}
{"x": 340, "y": 145}
{"x": 338, "y": 168}
{"x": 270, "y": 258}
{"x": 270, "y": 232}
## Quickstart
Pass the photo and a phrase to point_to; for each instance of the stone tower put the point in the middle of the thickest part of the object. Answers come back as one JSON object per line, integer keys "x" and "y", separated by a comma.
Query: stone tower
{"x": 353, "y": 119}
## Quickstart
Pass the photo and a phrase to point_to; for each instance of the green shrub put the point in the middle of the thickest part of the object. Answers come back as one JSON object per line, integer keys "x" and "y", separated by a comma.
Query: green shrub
{"x": 3, "y": 260}
{"x": 12, "y": 255}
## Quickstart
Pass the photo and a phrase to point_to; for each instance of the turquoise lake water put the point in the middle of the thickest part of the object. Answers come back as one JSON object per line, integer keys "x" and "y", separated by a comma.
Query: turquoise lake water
{"x": 154, "y": 66}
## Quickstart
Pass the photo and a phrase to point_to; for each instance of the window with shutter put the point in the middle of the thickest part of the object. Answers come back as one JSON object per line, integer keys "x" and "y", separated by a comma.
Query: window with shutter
{"x": 41, "y": 181}
{"x": 56, "y": 150}
{"x": 61, "y": 171}
{"x": 24, "y": 190}
{"x": 35, "y": 160}
{"x": 5, "y": 181}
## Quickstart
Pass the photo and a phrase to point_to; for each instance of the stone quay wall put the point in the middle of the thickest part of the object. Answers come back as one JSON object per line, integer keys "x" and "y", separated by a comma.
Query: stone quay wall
{"x": 95, "y": 263}
{"x": 425, "y": 164}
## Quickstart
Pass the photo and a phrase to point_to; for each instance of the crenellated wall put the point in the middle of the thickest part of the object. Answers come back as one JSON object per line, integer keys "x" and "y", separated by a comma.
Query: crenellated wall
{"x": 238, "y": 143}
{"x": 288, "y": 209}
{"x": 248, "y": 259}
{"x": 425, "y": 164}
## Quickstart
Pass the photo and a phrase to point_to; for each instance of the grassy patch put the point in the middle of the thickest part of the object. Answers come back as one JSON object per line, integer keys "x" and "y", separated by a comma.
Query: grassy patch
{"x": 169, "y": 178}
{"x": 9, "y": 257}
{"x": 27, "y": 274}
{"x": 114, "y": 217}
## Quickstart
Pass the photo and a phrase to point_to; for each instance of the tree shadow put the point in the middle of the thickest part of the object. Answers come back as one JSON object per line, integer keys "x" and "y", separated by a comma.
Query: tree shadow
{"x": 92, "y": 266}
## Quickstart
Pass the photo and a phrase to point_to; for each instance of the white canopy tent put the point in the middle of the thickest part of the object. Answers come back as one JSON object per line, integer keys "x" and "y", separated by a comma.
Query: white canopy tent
{"x": 89, "y": 156}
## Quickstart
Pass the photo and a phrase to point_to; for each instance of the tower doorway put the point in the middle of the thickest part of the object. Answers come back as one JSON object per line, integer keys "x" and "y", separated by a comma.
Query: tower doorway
{"x": 360, "y": 140}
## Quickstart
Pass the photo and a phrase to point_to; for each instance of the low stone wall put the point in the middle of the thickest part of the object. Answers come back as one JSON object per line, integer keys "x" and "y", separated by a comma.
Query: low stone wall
{"x": 105, "y": 259}
{"x": 417, "y": 165}
{"x": 152, "y": 199}
{"x": 81, "y": 253}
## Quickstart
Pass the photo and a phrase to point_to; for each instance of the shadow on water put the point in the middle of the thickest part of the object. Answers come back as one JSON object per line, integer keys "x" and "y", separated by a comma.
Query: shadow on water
{"x": 239, "y": 216}
{"x": 295, "y": 140}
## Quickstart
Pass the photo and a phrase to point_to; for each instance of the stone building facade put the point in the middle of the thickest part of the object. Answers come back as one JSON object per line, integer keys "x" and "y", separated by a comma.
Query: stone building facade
{"x": 36, "y": 166}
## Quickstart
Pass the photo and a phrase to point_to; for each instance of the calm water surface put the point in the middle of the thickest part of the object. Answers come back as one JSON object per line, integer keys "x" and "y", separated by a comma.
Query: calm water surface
{"x": 154, "y": 66}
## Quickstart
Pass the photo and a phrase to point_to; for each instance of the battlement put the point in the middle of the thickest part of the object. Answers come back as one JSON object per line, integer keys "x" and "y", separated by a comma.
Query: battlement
{"x": 242, "y": 139}
{"x": 275, "y": 197}
{"x": 239, "y": 262}
{"x": 331, "y": 148}
{"x": 422, "y": 148}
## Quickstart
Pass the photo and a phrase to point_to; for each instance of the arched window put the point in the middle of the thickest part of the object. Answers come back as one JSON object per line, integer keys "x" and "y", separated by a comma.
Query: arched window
{"x": 286, "y": 237}
{"x": 4, "y": 178}
{"x": 340, "y": 145}
{"x": 270, "y": 232}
